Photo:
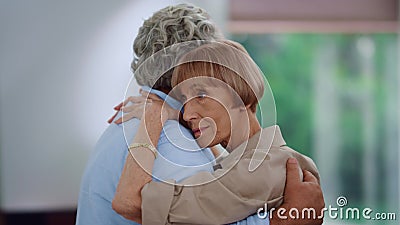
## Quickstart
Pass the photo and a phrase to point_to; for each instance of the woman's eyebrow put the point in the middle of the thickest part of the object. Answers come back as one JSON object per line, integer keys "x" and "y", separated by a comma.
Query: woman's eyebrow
{"x": 194, "y": 87}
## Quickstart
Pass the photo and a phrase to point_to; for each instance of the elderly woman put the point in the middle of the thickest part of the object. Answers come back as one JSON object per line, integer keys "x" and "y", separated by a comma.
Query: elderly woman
{"x": 220, "y": 87}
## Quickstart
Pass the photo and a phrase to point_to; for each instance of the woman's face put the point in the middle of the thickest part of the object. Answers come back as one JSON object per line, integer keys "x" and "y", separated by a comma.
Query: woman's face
{"x": 208, "y": 110}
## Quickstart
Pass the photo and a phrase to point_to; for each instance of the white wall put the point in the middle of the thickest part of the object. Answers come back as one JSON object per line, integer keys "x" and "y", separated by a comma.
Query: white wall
{"x": 63, "y": 66}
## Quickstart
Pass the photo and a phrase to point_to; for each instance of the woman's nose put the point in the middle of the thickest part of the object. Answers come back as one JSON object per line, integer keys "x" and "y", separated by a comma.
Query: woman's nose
{"x": 189, "y": 113}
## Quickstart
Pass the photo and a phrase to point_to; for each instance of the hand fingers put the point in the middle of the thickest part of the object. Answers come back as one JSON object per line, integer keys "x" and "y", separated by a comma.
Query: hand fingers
{"x": 130, "y": 108}
{"x": 128, "y": 116}
{"x": 154, "y": 97}
{"x": 124, "y": 118}
{"x": 131, "y": 112}
{"x": 134, "y": 110}
{"x": 118, "y": 107}
{"x": 135, "y": 106}
{"x": 125, "y": 101}
{"x": 137, "y": 112}
{"x": 118, "y": 121}
{"x": 113, "y": 117}
{"x": 292, "y": 172}
{"x": 134, "y": 99}
{"x": 150, "y": 95}
{"x": 309, "y": 177}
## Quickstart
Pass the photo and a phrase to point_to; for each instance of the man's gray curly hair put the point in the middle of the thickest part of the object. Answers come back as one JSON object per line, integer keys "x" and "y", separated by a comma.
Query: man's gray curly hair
{"x": 168, "y": 26}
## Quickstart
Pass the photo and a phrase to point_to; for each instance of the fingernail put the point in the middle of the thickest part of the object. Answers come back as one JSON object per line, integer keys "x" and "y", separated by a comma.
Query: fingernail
{"x": 292, "y": 160}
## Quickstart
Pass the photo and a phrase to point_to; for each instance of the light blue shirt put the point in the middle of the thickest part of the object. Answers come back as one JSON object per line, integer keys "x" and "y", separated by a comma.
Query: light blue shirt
{"x": 179, "y": 157}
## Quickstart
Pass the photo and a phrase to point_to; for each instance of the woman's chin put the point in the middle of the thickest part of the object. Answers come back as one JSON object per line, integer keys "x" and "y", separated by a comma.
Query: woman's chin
{"x": 205, "y": 142}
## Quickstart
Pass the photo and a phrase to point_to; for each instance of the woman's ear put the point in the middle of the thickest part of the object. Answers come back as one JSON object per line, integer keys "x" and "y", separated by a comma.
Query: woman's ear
{"x": 244, "y": 108}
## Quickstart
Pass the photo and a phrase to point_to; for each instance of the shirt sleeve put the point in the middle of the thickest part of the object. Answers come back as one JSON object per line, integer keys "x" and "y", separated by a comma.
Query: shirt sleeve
{"x": 232, "y": 195}
{"x": 253, "y": 220}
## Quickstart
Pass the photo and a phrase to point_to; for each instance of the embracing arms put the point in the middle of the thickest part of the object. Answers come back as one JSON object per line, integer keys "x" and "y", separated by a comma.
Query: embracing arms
{"x": 128, "y": 198}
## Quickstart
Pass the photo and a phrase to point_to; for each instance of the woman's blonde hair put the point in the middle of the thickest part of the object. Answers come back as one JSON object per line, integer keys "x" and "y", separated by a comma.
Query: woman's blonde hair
{"x": 168, "y": 26}
{"x": 227, "y": 61}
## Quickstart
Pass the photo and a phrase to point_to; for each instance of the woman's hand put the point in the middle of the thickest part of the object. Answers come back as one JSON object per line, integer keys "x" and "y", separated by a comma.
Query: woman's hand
{"x": 116, "y": 108}
{"x": 147, "y": 105}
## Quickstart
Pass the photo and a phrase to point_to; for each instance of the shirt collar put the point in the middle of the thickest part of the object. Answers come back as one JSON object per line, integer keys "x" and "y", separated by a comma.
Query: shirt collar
{"x": 263, "y": 140}
{"x": 168, "y": 99}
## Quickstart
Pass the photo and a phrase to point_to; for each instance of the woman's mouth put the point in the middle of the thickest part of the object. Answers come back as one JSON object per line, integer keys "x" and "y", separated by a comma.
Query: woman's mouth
{"x": 197, "y": 132}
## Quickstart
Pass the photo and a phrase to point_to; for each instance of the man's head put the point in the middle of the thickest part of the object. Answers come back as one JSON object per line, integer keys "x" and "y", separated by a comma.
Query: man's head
{"x": 169, "y": 26}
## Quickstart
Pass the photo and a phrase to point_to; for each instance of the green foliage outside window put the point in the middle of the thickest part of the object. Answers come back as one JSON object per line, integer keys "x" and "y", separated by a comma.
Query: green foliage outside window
{"x": 360, "y": 102}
